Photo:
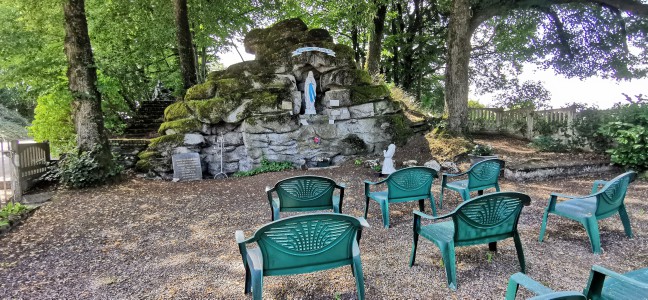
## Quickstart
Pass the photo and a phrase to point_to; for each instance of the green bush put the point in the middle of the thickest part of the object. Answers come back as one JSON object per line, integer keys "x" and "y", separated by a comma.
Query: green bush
{"x": 11, "y": 209}
{"x": 83, "y": 170}
{"x": 586, "y": 127}
{"x": 266, "y": 166}
{"x": 545, "y": 143}
{"x": 629, "y": 131}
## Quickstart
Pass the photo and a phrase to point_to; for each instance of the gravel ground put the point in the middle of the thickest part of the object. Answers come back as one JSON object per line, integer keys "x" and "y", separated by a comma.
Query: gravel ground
{"x": 156, "y": 240}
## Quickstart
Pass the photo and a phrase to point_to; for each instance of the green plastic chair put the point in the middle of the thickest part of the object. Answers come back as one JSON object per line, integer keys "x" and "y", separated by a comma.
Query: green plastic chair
{"x": 587, "y": 210}
{"x": 302, "y": 244}
{"x": 481, "y": 176}
{"x": 305, "y": 193}
{"x": 631, "y": 285}
{"x": 484, "y": 219}
{"x": 409, "y": 184}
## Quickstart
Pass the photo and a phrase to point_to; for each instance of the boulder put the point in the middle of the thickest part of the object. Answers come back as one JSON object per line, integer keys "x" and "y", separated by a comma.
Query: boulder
{"x": 450, "y": 167}
{"x": 410, "y": 163}
{"x": 433, "y": 164}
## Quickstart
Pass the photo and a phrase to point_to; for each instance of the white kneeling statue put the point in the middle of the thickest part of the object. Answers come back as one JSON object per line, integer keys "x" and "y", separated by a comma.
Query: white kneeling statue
{"x": 388, "y": 164}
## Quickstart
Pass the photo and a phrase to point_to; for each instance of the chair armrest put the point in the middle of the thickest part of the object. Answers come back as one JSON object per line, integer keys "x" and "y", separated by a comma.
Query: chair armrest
{"x": 596, "y": 185}
{"x": 596, "y": 281}
{"x": 567, "y": 196}
{"x": 445, "y": 175}
{"x": 619, "y": 277}
{"x": 528, "y": 283}
{"x": 363, "y": 222}
{"x": 420, "y": 214}
{"x": 368, "y": 183}
{"x": 240, "y": 237}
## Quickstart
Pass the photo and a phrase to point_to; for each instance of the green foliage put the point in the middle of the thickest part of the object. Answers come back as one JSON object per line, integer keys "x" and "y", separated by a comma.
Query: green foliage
{"x": 475, "y": 104}
{"x": 266, "y": 166}
{"x": 53, "y": 120}
{"x": 586, "y": 125}
{"x": 357, "y": 162}
{"x": 629, "y": 131}
{"x": 377, "y": 168}
{"x": 11, "y": 209}
{"x": 12, "y": 99}
{"x": 482, "y": 150}
{"x": 84, "y": 170}
{"x": 545, "y": 143}
{"x": 545, "y": 127}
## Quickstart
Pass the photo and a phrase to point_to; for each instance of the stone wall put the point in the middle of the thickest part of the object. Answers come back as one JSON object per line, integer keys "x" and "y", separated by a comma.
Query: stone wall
{"x": 258, "y": 108}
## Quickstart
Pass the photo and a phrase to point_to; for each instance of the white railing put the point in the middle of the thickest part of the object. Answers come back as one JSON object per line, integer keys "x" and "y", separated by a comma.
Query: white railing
{"x": 523, "y": 123}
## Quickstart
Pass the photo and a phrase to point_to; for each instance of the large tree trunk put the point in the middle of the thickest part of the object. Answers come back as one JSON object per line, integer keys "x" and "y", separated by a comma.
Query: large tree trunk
{"x": 185, "y": 46}
{"x": 456, "y": 73}
{"x": 82, "y": 81}
{"x": 375, "y": 46}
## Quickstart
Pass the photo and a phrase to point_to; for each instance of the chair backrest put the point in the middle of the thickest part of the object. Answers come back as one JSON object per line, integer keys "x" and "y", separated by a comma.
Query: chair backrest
{"x": 307, "y": 243}
{"x": 612, "y": 194}
{"x": 305, "y": 192}
{"x": 484, "y": 173}
{"x": 410, "y": 182}
{"x": 488, "y": 216}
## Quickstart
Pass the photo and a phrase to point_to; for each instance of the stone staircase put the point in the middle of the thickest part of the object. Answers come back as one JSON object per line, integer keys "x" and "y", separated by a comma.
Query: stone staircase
{"x": 147, "y": 120}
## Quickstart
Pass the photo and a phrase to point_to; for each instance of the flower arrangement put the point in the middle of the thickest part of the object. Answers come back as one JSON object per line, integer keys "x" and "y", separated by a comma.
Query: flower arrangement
{"x": 482, "y": 150}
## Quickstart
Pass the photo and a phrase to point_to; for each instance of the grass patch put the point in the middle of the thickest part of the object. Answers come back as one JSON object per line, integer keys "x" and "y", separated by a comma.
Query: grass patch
{"x": 266, "y": 166}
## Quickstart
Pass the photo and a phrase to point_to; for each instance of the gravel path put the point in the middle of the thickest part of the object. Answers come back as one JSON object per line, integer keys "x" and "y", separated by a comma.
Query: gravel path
{"x": 157, "y": 240}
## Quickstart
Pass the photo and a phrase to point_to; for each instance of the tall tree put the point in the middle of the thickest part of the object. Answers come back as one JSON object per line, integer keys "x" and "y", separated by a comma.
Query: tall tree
{"x": 185, "y": 46}
{"x": 375, "y": 45}
{"x": 573, "y": 54}
{"x": 82, "y": 82}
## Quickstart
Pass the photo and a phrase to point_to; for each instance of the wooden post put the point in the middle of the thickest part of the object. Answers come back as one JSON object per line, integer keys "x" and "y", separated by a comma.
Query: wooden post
{"x": 15, "y": 168}
{"x": 529, "y": 121}
{"x": 498, "y": 119}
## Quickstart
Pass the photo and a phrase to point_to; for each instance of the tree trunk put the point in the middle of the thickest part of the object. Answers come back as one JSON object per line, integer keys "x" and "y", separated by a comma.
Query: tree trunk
{"x": 456, "y": 73}
{"x": 375, "y": 46}
{"x": 82, "y": 82}
{"x": 185, "y": 46}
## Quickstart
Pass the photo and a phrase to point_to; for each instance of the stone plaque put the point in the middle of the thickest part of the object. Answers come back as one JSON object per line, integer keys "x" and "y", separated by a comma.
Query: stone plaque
{"x": 334, "y": 102}
{"x": 186, "y": 166}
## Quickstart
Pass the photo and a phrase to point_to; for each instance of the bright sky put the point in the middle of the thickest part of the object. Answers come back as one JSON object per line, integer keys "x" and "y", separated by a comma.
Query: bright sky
{"x": 602, "y": 92}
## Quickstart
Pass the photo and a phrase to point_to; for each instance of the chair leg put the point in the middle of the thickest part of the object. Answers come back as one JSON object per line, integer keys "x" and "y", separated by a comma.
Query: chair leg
{"x": 465, "y": 195}
{"x": 448, "y": 256}
{"x": 422, "y": 205}
{"x": 247, "y": 280}
{"x": 359, "y": 277}
{"x": 441, "y": 198}
{"x": 497, "y": 188}
{"x": 257, "y": 285}
{"x": 591, "y": 226}
{"x": 625, "y": 220}
{"x": 384, "y": 208}
{"x": 511, "y": 290}
{"x": 520, "y": 251}
{"x": 366, "y": 207}
{"x": 544, "y": 225}
{"x": 492, "y": 246}
{"x": 414, "y": 246}
{"x": 480, "y": 192}
{"x": 433, "y": 205}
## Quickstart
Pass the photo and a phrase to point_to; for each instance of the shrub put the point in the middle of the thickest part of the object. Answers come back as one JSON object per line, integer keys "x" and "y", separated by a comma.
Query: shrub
{"x": 11, "y": 209}
{"x": 266, "y": 166}
{"x": 482, "y": 150}
{"x": 545, "y": 143}
{"x": 83, "y": 170}
{"x": 629, "y": 131}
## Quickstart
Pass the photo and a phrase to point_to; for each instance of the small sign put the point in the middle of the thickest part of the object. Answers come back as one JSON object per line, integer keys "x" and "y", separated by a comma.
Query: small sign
{"x": 331, "y": 121}
{"x": 186, "y": 166}
{"x": 317, "y": 49}
{"x": 334, "y": 102}
{"x": 304, "y": 122}
{"x": 286, "y": 105}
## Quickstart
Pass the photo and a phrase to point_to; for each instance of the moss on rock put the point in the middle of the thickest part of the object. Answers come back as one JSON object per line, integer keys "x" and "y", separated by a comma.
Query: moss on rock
{"x": 172, "y": 141}
{"x": 144, "y": 155}
{"x": 176, "y": 111}
{"x": 201, "y": 91}
{"x": 368, "y": 93}
{"x": 181, "y": 125}
{"x": 143, "y": 165}
{"x": 399, "y": 128}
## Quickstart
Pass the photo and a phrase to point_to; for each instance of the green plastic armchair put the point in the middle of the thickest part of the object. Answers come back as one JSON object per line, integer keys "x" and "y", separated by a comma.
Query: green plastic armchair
{"x": 485, "y": 219}
{"x": 600, "y": 204}
{"x": 302, "y": 244}
{"x": 305, "y": 193}
{"x": 481, "y": 176}
{"x": 631, "y": 285}
{"x": 409, "y": 184}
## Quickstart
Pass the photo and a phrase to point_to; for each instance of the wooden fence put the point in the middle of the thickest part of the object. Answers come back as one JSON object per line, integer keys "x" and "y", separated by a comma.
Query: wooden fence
{"x": 522, "y": 123}
{"x": 24, "y": 163}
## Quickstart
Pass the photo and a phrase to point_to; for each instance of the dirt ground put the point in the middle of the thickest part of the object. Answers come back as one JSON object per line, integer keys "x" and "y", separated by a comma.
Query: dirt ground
{"x": 144, "y": 239}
